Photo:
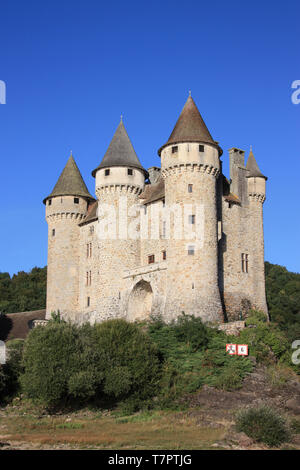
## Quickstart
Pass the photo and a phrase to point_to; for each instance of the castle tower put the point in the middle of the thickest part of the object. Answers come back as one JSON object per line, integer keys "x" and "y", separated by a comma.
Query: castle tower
{"x": 190, "y": 166}
{"x": 66, "y": 206}
{"x": 256, "y": 196}
{"x": 120, "y": 180}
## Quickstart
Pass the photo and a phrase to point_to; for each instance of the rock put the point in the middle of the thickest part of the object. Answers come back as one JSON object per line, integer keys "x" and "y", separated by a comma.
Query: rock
{"x": 243, "y": 440}
{"x": 293, "y": 404}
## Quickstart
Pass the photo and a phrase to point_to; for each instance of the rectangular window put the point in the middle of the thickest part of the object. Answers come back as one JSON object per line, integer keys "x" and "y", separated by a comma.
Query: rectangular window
{"x": 201, "y": 148}
{"x": 76, "y": 200}
{"x": 130, "y": 171}
{"x": 88, "y": 302}
{"x": 49, "y": 202}
{"x": 53, "y": 232}
{"x": 175, "y": 149}
{"x": 191, "y": 219}
{"x": 190, "y": 188}
{"x": 90, "y": 278}
{"x": 164, "y": 255}
{"x": 163, "y": 203}
{"x": 88, "y": 250}
{"x": 107, "y": 172}
{"x": 245, "y": 263}
{"x": 151, "y": 259}
{"x": 191, "y": 250}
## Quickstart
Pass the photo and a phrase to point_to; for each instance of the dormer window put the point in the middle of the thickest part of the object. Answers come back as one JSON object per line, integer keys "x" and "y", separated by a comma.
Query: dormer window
{"x": 201, "y": 148}
{"x": 175, "y": 149}
{"x": 107, "y": 172}
{"x": 129, "y": 171}
{"x": 76, "y": 200}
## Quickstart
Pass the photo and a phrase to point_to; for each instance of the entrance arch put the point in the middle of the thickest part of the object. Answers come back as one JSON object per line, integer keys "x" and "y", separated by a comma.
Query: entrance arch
{"x": 140, "y": 301}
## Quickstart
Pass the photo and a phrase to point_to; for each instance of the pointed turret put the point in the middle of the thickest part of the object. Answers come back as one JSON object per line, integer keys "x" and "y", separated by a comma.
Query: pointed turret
{"x": 190, "y": 127}
{"x": 70, "y": 182}
{"x": 252, "y": 167}
{"x": 120, "y": 152}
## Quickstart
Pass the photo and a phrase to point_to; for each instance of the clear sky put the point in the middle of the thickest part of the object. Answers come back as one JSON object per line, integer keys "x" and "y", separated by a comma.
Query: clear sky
{"x": 72, "y": 67}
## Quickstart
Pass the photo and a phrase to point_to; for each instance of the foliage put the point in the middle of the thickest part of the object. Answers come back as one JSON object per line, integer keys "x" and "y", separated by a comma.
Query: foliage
{"x": 23, "y": 291}
{"x": 283, "y": 297}
{"x": 112, "y": 361}
{"x": 11, "y": 370}
{"x": 186, "y": 368}
{"x": 263, "y": 425}
{"x": 54, "y": 358}
{"x": 131, "y": 361}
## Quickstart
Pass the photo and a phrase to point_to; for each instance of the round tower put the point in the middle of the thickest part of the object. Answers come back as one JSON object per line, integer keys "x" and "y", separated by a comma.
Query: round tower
{"x": 257, "y": 196}
{"x": 120, "y": 179}
{"x": 66, "y": 207}
{"x": 190, "y": 166}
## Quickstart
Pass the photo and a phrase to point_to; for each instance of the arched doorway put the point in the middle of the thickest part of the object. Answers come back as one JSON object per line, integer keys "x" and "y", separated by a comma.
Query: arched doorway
{"x": 140, "y": 301}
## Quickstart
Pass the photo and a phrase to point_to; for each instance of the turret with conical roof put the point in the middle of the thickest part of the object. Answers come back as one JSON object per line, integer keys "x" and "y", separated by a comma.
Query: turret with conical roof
{"x": 66, "y": 207}
{"x": 70, "y": 182}
{"x": 120, "y": 179}
{"x": 190, "y": 127}
{"x": 256, "y": 180}
{"x": 190, "y": 166}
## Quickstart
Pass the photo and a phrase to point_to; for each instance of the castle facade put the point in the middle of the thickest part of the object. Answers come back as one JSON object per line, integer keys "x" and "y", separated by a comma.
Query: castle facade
{"x": 162, "y": 241}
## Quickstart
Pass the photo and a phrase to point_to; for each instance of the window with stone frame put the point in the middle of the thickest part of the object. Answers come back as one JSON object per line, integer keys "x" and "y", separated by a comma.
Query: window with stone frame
{"x": 76, "y": 200}
{"x": 164, "y": 255}
{"x": 192, "y": 219}
{"x": 151, "y": 259}
{"x": 190, "y": 188}
{"x": 201, "y": 148}
{"x": 175, "y": 149}
{"x": 107, "y": 172}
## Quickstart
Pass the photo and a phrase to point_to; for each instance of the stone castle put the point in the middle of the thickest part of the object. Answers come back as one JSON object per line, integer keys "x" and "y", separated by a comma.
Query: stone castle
{"x": 159, "y": 269}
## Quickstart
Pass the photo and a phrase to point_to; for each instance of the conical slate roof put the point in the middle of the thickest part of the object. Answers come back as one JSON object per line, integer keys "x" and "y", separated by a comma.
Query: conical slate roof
{"x": 120, "y": 152}
{"x": 70, "y": 182}
{"x": 190, "y": 127}
{"x": 253, "y": 168}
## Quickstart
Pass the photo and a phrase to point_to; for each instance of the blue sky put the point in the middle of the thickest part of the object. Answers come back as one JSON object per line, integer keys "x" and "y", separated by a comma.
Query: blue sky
{"x": 72, "y": 67}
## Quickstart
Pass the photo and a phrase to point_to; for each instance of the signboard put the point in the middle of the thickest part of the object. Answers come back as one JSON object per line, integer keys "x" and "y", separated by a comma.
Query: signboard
{"x": 231, "y": 349}
{"x": 242, "y": 349}
{"x": 237, "y": 349}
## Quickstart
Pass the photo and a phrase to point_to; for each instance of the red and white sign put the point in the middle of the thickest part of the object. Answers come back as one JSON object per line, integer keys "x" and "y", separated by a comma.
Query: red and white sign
{"x": 239, "y": 349}
{"x": 231, "y": 349}
{"x": 242, "y": 349}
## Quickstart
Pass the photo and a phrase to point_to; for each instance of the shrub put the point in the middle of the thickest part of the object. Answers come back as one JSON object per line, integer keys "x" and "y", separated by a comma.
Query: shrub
{"x": 263, "y": 425}
{"x": 11, "y": 370}
{"x": 112, "y": 361}
{"x": 61, "y": 363}
{"x": 131, "y": 361}
{"x": 190, "y": 330}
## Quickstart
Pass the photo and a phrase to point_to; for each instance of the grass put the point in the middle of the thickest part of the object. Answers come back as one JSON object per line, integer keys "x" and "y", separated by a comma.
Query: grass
{"x": 157, "y": 430}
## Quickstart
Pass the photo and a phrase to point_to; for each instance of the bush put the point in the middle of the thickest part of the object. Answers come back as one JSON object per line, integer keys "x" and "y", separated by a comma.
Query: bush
{"x": 112, "y": 361}
{"x": 263, "y": 425}
{"x": 132, "y": 365}
{"x": 61, "y": 363}
{"x": 11, "y": 370}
